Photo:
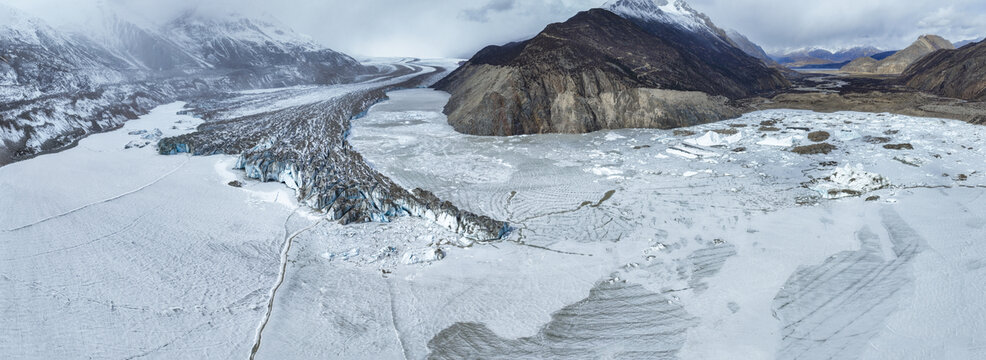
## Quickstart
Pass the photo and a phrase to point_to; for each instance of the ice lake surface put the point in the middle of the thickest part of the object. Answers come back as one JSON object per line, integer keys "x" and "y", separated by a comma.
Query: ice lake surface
{"x": 735, "y": 235}
{"x": 628, "y": 244}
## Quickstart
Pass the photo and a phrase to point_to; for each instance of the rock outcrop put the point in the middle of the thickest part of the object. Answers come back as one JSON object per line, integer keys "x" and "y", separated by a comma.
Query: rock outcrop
{"x": 650, "y": 67}
{"x": 959, "y": 73}
{"x": 896, "y": 63}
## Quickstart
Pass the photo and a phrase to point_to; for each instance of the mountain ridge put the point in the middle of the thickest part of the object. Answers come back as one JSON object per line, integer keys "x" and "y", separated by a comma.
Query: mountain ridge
{"x": 59, "y": 86}
{"x": 896, "y": 63}
{"x": 599, "y": 70}
{"x": 957, "y": 73}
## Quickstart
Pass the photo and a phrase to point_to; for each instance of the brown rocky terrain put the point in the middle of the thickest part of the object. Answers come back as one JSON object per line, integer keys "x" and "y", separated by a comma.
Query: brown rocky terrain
{"x": 957, "y": 73}
{"x": 896, "y": 63}
{"x": 601, "y": 71}
{"x": 868, "y": 94}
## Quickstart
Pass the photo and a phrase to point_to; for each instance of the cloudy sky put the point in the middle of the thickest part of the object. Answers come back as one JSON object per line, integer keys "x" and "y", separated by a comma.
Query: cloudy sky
{"x": 457, "y": 28}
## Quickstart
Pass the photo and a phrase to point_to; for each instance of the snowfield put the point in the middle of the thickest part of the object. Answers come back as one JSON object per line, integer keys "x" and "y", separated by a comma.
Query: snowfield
{"x": 730, "y": 224}
{"x": 734, "y": 239}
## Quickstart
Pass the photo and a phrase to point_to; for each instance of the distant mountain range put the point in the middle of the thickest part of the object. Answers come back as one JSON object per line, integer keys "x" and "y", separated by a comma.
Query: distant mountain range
{"x": 58, "y": 86}
{"x": 634, "y": 63}
{"x": 814, "y": 56}
{"x": 967, "y": 42}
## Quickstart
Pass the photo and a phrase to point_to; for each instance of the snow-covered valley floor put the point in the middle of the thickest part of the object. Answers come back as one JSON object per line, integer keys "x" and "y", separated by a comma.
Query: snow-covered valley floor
{"x": 629, "y": 243}
{"x": 735, "y": 246}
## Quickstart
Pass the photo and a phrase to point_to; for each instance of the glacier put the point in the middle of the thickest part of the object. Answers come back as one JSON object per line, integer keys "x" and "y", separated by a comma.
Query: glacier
{"x": 706, "y": 246}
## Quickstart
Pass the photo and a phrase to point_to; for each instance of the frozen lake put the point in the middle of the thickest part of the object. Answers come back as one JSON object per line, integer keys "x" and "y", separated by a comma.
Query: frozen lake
{"x": 730, "y": 232}
{"x": 629, "y": 243}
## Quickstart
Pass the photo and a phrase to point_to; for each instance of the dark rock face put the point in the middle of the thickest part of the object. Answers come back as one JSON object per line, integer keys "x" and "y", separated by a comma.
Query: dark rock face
{"x": 959, "y": 73}
{"x": 601, "y": 71}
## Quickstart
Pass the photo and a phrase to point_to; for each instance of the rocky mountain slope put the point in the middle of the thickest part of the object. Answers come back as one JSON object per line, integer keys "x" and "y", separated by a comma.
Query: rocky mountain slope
{"x": 57, "y": 86}
{"x": 652, "y": 66}
{"x": 741, "y": 42}
{"x": 959, "y": 73}
{"x": 896, "y": 63}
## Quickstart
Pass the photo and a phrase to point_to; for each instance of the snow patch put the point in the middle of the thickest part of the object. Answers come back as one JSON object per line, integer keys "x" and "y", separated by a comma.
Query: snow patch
{"x": 777, "y": 141}
{"x": 712, "y": 138}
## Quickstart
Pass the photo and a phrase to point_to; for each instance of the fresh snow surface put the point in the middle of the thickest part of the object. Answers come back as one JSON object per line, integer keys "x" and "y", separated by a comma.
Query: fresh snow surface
{"x": 695, "y": 252}
{"x": 735, "y": 241}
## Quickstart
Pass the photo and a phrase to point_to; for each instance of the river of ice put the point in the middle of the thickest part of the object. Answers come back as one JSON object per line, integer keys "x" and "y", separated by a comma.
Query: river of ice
{"x": 628, "y": 243}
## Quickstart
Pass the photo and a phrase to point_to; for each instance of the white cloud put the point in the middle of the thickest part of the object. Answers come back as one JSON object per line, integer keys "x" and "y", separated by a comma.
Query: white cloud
{"x": 431, "y": 28}
{"x": 888, "y": 24}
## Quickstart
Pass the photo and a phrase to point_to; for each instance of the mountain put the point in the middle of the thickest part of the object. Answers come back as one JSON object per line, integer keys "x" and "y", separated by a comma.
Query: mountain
{"x": 634, "y": 64}
{"x": 962, "y": 43}
{"x": 958, "y": 73}
{"x": 37, "y": 59}
{"x": 815, "y": 56}
{"x": 883, "y": 55}
{"x": 741, "y": 42}
{"x": 896, "y": 63}
{"x": 57, "y": 86}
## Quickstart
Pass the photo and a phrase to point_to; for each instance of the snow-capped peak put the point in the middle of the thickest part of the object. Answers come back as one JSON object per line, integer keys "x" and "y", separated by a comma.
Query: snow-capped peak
{"x": 18, "y": 26}
{"x": 675, "y": 12}
{"x": 194, "y": 28}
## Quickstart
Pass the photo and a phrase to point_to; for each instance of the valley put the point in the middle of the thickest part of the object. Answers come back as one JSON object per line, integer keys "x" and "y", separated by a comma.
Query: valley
{"x": 632, "y": 182}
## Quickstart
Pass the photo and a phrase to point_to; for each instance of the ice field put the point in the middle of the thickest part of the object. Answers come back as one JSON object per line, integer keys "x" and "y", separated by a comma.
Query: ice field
{"x": 693, "y": 244}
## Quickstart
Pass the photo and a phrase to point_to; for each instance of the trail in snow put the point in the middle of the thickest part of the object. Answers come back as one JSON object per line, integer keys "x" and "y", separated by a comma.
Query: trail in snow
{"x": 280, "y": 278}
{"x": 83, "y": 207}
{"x": 107, "y": 236}
{"x": 393, "y": 318}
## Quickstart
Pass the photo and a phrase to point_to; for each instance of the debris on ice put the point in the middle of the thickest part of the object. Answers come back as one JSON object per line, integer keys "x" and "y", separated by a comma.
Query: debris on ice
{"x": 850, "y": 181}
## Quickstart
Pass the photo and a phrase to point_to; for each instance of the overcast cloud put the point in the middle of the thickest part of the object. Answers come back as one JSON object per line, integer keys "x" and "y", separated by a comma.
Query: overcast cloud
{"x": 457, "y": 28}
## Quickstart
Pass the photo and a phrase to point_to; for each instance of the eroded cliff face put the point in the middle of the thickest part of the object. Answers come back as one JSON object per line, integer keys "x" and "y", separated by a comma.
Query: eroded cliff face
{"x": 896, "y": 63}
{"x": 601, "y": 71}
{"x": 498, "y": 100}
{"x": 959, "y": 73}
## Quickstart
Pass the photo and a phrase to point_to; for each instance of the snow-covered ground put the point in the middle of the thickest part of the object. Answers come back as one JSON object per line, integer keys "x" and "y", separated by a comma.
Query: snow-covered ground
{"x": 640, "y": 243}
{"x": 108, "y": 252}
{"x": 735, "y": 228}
